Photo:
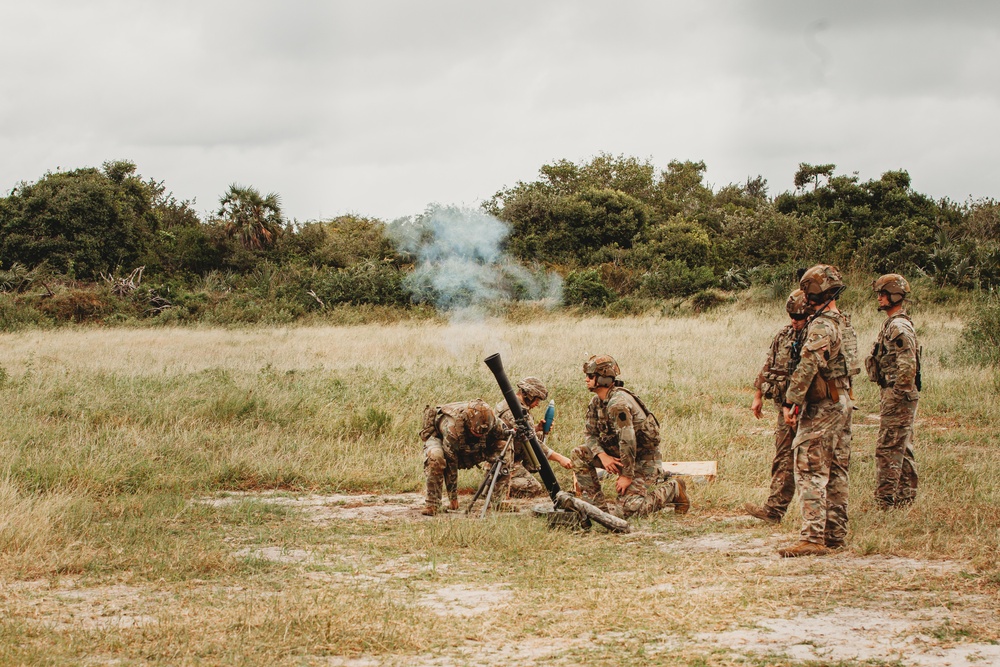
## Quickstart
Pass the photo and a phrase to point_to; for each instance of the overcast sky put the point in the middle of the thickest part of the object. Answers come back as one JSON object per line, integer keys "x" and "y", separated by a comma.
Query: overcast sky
{"x": 383, "y": 107}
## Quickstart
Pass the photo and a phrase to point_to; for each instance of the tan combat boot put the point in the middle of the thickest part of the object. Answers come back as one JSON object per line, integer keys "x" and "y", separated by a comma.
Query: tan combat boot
{"x": 429, "y": 510}
{"x": 761, "y": 513}
{"x": 681, "y": 501}
{"x": 803, "y": 548}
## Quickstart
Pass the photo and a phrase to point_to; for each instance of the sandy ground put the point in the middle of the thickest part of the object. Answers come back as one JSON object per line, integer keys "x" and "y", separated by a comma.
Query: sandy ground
{"x": 899, "y": 630}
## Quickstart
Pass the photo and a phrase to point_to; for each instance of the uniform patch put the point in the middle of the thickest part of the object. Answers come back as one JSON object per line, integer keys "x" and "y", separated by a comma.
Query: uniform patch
{"x": 818, "y": 343}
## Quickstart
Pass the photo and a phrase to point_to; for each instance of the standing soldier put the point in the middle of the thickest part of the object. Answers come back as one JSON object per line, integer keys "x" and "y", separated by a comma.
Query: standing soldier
{"x": 895, "y": 365}
{"x": 457, "y": 436}
{"x": 770, "y": 384}
{"x": 818, "y": 401}
{"x": 623, "y": 437}
{"x": 530, "y": 393}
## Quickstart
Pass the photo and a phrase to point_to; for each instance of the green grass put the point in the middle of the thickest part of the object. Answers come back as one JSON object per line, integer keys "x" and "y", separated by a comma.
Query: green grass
{"x": 110, "y": 439}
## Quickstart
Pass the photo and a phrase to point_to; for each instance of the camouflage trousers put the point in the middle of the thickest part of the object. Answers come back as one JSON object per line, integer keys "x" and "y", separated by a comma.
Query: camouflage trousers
{"x": 646, "y": 494}
{"x": 822, "y": 447}
{"x": 441, "y": 469}
{"x": 520, "y": 484}
{"x": 896, "y": 478}
{"x": 782, "y": 470}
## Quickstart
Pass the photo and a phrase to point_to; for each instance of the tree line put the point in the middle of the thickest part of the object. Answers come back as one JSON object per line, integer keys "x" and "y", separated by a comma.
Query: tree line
{"x": 614, "y": 227}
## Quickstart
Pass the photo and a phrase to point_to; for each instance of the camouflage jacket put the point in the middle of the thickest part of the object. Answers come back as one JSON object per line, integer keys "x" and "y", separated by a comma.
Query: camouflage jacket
{"x": 772, "y": 380}
{"x": 468, "y": 449}
{"x": 894, "y": 360}
{"x": 622, "y": 427}
{"x": 507, "y": 417}
{"x": 829, "y": 356}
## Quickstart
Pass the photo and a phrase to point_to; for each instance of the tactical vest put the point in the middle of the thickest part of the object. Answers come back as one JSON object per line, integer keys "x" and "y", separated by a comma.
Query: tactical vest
{"x": 432, "y": 415}
{"x": 844, "y": 361}
{"x": 784, "y": 357}
{"x": 647, "y": 434}
{"x": 882, "y": 366}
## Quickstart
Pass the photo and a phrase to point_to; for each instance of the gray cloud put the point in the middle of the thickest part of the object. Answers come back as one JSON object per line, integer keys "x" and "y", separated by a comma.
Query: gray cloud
{"x": 381, "y": 107}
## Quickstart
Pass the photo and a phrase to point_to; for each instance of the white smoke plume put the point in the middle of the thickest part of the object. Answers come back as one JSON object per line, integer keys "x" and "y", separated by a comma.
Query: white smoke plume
{"x": 460, "y": 265}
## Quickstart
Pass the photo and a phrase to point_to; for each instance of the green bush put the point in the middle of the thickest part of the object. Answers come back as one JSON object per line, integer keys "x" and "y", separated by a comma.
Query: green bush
{"x": 707, "y": 300}
{"x": 16, "y": 313}
{"x": 586, "y": 288}
{"x": 675, "y": 278}
{"x": 981, "y": 335}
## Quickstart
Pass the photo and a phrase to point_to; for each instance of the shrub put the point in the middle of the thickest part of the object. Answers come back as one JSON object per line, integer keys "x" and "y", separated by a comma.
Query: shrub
{"x": 981, "y": 335}
{"x": 707, "y": 300}
{"x": 675, "y": 278}
{"x": 16, "y": 314}
{"x": 586, "y": 288}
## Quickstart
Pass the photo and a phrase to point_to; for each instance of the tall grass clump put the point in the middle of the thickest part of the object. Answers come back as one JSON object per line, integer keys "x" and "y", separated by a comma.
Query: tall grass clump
{"x": 981, "y": 335}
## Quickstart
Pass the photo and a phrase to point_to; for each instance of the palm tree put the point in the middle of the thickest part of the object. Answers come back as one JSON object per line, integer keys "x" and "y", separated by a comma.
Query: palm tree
{"x": 254, "y": 218}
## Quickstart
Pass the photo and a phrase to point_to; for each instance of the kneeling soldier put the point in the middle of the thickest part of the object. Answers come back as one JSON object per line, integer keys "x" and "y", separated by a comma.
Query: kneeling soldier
{"x": 457, "y": 436}
{"x": 530, "y": 393}
{"x": 895, "y": 365}
{"x": 623, "y": 437}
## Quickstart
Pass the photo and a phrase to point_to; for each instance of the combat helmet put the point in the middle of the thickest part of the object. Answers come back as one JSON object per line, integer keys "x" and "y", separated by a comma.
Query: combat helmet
{"x": 604, "y": 367}
{"x": 821, "y": 283}
{"x": 532, "y": 388}
{"x": 895, "y": 287}
{"x": 479, "y": 417}
{"x": 797, "y": 305}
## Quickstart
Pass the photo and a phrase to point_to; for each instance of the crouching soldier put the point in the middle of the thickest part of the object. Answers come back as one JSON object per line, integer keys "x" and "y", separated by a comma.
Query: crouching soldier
{"x": 520, "y": 482}
{"x": 895, "y": 365}
{"x": 771, "y": 383}
{"x": 457, "y": 436}
{"x": 623, "y": 438}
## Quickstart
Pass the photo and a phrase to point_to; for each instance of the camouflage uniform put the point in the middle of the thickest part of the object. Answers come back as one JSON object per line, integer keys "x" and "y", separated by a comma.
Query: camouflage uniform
{"x": 450, "y": 446}
{"x": 893, "y": 364}
{"x": 520, "y": 483}
{"x": 772, "y": 380}
{"x": 621, "y": 427}
{"x": 821, "y": 386}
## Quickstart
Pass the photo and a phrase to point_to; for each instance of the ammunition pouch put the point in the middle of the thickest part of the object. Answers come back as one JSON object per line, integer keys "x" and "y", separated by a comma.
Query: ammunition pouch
{"x": 774, "y": 386}
{"x": 873, "y": 370}
{"x": 822, "y": 388}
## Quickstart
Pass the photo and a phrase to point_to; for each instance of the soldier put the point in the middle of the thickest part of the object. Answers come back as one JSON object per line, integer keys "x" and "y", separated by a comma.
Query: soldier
{"x": 530, "y": 393}
{"x": 770, "y": 384}
{"x": 457, "y": 436}
{"x": 818, "y": 401}
{"x": 895, "y": 365}
{"x": 623, "y": 437}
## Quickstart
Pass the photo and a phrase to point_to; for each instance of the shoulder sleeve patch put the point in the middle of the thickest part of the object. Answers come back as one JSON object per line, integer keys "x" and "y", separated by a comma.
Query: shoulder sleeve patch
{"x": 818, "y": 343}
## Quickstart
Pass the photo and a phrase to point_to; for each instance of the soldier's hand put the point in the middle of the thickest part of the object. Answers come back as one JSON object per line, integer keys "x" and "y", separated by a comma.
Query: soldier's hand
{"x": 622, "y": 484}
{"x": 454, "y": 505}
{"x": 540, "y": 426}
{"x": 757, "y": 404}
{"x": 790, "y": 417}
{"x": 562, "y": 460}
{"x": 610, "y": 463}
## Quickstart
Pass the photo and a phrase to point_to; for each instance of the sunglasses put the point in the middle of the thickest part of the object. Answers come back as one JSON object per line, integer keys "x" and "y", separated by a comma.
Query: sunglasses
{"x": 799, "y": 318}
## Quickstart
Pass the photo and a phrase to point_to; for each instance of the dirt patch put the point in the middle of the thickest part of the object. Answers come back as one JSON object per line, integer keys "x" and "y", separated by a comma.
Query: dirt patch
{"x": 67, "y": 606}
{"x": 530, "y": 651}
{"x": 461, "y": 600}
{"x": 854, "y": 634}
{"x": 734, "y": 544}
{"x": 324, "y": 508}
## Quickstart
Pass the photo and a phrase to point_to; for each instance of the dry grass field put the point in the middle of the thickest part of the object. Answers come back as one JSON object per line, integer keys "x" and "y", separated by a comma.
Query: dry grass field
{"x": 235, "y": 497}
